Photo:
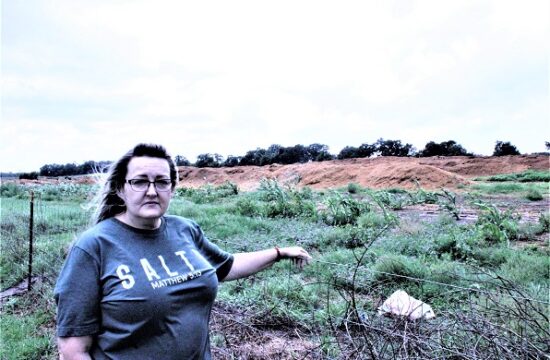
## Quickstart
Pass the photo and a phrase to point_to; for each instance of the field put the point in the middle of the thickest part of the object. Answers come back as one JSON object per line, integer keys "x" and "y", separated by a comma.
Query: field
{"x": 474, "y": 247}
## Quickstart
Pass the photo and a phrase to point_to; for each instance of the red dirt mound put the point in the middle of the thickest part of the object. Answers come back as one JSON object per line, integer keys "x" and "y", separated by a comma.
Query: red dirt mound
{"x": 380, "y": 172}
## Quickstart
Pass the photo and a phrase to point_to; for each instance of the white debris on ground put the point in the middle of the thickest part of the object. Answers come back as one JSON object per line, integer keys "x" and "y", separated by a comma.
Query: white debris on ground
{"x": 402, "y": 304}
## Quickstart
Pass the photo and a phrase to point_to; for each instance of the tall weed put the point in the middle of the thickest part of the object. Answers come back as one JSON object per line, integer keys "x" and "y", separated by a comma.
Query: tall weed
{"x": 497, "y": 226}
{"x": 208, "y": 193}
{"x": 342, "y": 209}
{"x": 288, "y": 202}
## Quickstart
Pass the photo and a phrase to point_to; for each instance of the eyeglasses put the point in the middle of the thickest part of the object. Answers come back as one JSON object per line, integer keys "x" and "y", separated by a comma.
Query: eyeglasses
{"x": 143, "y": 184}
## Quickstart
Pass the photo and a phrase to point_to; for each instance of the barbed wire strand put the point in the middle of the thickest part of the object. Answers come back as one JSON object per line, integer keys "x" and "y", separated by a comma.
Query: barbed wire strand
{"x": 432, "y": 281}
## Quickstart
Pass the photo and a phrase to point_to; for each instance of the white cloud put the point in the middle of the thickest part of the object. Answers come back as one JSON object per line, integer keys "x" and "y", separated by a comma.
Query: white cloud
{"x": 228, "y": 77}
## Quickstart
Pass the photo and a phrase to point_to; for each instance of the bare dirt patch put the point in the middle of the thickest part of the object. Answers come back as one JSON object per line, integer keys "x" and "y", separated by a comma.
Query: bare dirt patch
{"x": 242, "y": 335}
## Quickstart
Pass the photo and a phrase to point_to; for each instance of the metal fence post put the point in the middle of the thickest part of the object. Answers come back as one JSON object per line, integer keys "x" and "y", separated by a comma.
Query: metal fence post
{"x": 31, "y": 223}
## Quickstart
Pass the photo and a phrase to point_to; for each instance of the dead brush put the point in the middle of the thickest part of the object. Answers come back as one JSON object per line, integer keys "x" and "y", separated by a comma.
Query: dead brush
{"x": 503, "y": 323}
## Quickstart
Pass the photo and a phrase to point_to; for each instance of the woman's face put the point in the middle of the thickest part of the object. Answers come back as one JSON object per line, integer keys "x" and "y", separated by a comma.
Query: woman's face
{"x": 144, "y": 208}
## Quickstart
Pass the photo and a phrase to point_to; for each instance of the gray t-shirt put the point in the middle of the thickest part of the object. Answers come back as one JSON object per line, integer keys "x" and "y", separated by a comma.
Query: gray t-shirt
{"x": 142, "y": 294}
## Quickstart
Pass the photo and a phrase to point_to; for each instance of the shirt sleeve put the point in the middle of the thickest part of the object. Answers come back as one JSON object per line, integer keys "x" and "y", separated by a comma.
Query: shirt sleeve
{"x": 219, "y": 259}
{"x": 77, "y": 294}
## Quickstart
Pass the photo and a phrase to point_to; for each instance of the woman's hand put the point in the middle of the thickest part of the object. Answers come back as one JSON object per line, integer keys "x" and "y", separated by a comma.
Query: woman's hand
{"x": 297, "y": 255}
{"x": 74, "y": 347}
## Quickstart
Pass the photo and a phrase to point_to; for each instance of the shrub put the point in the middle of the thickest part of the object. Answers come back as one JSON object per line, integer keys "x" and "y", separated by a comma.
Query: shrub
{"x": 534, "y": 176}
{"x": 491, "y": 256}
{"x": 30, "y": 176}
{"x": 372, "y": 220}
{"x": 286, "y": 203}
{"x": 342, "y": 210}
{"x": 11, "y": 190}
{"x": 456, "y": 245}
{"x": 354, "y": 188}
{"x": 533, "y": 195}
{"x": 446, "y": 272}
{"x": 524, "y": 268}
{"x": 248, "y": 207}
{"x": 388, "y": 266}
{"x": 14, "y": 249}
{"x": 497, "y": 226}
{"x": 63, "y": 192}
{"x": 393, "y": 200}
{"x": 208, "y": 193}
{"x": 544, "y": 222}
{"x": 422, "y": 196}
{"x": 270, "y": 190}
{"x": 525, "y": 176}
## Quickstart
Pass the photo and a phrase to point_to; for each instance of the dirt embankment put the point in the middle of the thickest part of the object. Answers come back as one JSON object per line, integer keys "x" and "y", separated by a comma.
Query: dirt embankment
{"x": 380, "y": 172}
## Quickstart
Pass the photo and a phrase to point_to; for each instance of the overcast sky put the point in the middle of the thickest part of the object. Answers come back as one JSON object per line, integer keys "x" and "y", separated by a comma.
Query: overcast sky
{"x": 87, "y": 80}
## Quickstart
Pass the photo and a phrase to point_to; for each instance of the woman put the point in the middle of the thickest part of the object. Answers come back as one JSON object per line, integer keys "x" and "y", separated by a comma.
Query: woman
{"x": 140, "y": 284}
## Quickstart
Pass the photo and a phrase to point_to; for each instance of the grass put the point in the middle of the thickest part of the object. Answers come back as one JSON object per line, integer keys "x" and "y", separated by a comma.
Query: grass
{"x": 27, "y": 325}
{"x": 24, "y": 337}
{"x": 510, "y": 188}
{"x": 359, "y": 243}
{"x": 531, "y": 185}
{"x": 525, "y": 176}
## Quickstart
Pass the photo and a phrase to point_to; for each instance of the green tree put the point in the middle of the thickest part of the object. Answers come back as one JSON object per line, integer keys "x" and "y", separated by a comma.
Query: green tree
{"x": 30, "y": 176}
{"x": 445, "y": 148}
{"x": 256, "y": 157}
{"x": 505, "y": 148}
{"x": 209, "y": 160}
{"x": 181, "y": 161}
{"x": 319, "y": 152}
{"x": 366, "y": 150}
{"x": 348, "y": 152}
{"x": 232, "y": 161}
{"x": 273, "y": 154}
{"x": 294, "y": 154}
{"x": 393, "y": 148}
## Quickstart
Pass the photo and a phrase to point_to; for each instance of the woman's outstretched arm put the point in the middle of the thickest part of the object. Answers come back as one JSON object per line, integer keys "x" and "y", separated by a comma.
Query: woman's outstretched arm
{"x": 246, "y": 264}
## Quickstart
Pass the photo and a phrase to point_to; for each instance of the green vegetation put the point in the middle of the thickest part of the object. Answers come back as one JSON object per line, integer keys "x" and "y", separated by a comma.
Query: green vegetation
{"x": 364, "y": 248}
{"x": 534, "y": 195}
{"x": 511, "y": 188}
{"x": 503, "y": 148}
{"x": 525, "y": 176}
{"x": 208, "y": 193}
{"x": 530, "y": 184}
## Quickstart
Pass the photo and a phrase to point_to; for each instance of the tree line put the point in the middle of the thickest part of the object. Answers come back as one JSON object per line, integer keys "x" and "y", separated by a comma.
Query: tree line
{"x": 277, "y": 154}
{"x": 70, "y": 169}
